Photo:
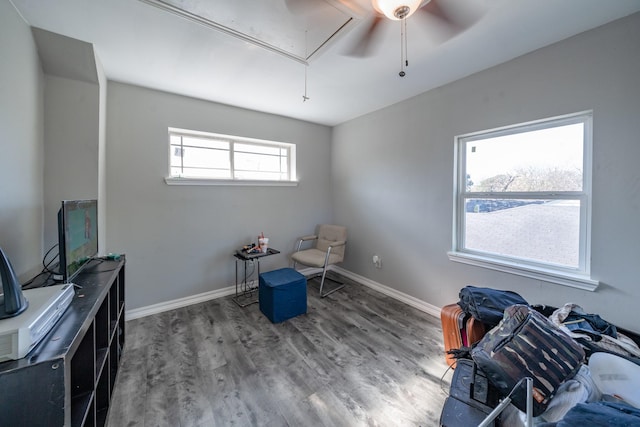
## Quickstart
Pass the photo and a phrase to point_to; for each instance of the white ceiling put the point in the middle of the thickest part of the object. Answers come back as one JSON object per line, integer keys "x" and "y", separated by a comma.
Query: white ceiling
{"x": 142, "y": 44}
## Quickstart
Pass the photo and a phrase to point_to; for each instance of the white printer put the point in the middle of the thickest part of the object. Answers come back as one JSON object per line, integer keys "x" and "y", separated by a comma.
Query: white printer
{"x": 20, "y": 334}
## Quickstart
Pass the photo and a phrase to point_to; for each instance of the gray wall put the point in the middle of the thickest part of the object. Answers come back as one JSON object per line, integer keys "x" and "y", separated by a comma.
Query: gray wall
{"x": 52, "y": 132}
{"x": 102, "y": 157}
{"x": 393, "y": 171}
{"x": 71, "y": 146}
{"x": 179, "y": 240}
{"x": 74, "y": 128}
{"x": 21, "y": 144}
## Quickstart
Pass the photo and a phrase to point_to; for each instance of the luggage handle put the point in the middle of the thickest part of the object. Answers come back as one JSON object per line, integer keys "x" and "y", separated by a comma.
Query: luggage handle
{"x": 480, "y": 392}
{"x": 462, "y": 320}
{"x": 505, "y": 402}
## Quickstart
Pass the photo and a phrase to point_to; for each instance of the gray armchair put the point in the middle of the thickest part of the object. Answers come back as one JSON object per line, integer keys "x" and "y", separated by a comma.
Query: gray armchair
{"x": 328, "y": 248}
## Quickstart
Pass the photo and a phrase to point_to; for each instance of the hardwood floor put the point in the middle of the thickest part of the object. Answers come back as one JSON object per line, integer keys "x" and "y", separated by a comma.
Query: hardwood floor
{"x": 357, "y": 358}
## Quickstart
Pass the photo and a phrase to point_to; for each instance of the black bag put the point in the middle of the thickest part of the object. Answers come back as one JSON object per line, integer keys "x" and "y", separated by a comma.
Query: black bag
{"x": 487, "y": 305}
{"x": 527, "y": 344}
{"x": 471, "y": 397}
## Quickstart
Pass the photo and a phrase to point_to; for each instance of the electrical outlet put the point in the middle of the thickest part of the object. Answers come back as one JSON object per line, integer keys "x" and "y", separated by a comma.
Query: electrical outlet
{"x": 377, "y": 261}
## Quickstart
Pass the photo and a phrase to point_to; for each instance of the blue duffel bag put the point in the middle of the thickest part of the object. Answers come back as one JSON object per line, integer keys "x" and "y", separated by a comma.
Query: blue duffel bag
{"x": 486, "y": 304}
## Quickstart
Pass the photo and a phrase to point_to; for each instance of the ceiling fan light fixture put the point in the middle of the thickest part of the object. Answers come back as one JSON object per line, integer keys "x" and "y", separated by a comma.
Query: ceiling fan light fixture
{"x": 396, "y": 9}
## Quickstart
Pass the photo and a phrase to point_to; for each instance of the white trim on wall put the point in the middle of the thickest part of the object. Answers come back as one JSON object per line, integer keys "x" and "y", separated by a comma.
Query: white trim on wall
{"x": 137, "y": 313}
{"x": 400, "y": 296}
{"x": 416, "y": 303}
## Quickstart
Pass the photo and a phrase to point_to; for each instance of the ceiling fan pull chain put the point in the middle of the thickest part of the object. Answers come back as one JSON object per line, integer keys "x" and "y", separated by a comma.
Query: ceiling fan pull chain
{"x": 406, "y": 43}
{"x": 305, "y": 98}
{"x": 403, "y": 47}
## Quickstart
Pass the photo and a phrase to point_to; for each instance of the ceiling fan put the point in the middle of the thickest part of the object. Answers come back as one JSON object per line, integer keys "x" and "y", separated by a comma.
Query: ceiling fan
{"x": 443, "y": 18}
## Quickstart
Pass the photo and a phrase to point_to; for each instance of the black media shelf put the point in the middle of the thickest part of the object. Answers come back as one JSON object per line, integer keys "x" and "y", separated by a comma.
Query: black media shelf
{"x": 68, "y": 378}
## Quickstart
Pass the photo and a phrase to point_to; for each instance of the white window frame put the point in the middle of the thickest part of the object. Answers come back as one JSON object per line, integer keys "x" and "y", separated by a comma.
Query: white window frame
{"x": 186, "y": 180}
{"x": 579, "y": 277}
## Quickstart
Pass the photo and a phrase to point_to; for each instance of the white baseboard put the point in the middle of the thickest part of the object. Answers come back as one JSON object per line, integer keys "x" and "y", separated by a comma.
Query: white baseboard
{"x": 230, "y": 290}
{"x": 400, "y": 296}
{"x": 178, "y": 303}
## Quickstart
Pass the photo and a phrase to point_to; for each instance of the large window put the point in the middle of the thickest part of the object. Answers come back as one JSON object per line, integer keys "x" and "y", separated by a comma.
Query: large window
{"x": 523, "y": 197}
{"x": 204, "y": 156}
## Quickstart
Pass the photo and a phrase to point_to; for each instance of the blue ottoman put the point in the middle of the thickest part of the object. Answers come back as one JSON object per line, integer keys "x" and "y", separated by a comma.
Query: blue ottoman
{"x": 282, "y": 294}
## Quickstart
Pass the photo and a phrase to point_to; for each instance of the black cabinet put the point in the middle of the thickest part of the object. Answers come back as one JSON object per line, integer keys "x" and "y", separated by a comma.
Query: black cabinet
{"x": 68, "y": 379}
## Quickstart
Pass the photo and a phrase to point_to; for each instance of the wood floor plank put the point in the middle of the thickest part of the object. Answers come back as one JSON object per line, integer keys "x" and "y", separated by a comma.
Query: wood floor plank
{"x": 131, "y": 397}
{"x": 356, "y": 358}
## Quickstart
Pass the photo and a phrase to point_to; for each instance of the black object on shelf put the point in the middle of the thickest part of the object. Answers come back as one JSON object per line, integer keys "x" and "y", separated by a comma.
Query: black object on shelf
{"x": 13, "y": 302}
{"x": 244, "y": 255}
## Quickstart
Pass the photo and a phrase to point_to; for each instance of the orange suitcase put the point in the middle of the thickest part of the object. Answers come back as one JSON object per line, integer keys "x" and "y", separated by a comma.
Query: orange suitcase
{"x": 458, "y": 330}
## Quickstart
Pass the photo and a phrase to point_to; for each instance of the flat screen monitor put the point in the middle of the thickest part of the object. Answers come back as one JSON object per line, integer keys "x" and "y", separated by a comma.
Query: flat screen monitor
{"x": 77, "y": 236}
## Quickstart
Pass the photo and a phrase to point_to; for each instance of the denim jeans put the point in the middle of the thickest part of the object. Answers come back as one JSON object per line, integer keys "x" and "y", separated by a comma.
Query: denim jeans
{"x": 599, "y": 414}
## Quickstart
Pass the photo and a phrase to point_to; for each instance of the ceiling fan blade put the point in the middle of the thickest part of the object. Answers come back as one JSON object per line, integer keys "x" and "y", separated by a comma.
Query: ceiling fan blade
{"x": 365, "y": 44}
{"x": 451, "y": 18}
{"x": 434, "y": 10}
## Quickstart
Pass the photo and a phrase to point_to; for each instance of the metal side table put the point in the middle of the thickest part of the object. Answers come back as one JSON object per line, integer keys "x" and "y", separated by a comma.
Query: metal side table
{"x": 246, "y": 289}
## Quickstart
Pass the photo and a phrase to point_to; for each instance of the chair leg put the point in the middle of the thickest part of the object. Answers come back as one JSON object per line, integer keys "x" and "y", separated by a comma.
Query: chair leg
{"x": 324, "y": 273}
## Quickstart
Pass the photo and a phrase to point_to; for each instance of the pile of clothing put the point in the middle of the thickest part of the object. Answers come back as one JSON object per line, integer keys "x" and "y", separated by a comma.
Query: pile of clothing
{"x": 584, "y": 371}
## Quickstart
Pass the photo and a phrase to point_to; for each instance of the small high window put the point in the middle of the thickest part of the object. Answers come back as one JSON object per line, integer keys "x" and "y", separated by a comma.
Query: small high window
{"x": 206, "y": 156}
{"x": 523, "y": 198}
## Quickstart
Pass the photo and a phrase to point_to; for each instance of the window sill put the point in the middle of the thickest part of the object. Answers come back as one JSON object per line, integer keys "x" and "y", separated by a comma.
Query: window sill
{"x": 561, "y": 278}
{"x": 229, "y": 182}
